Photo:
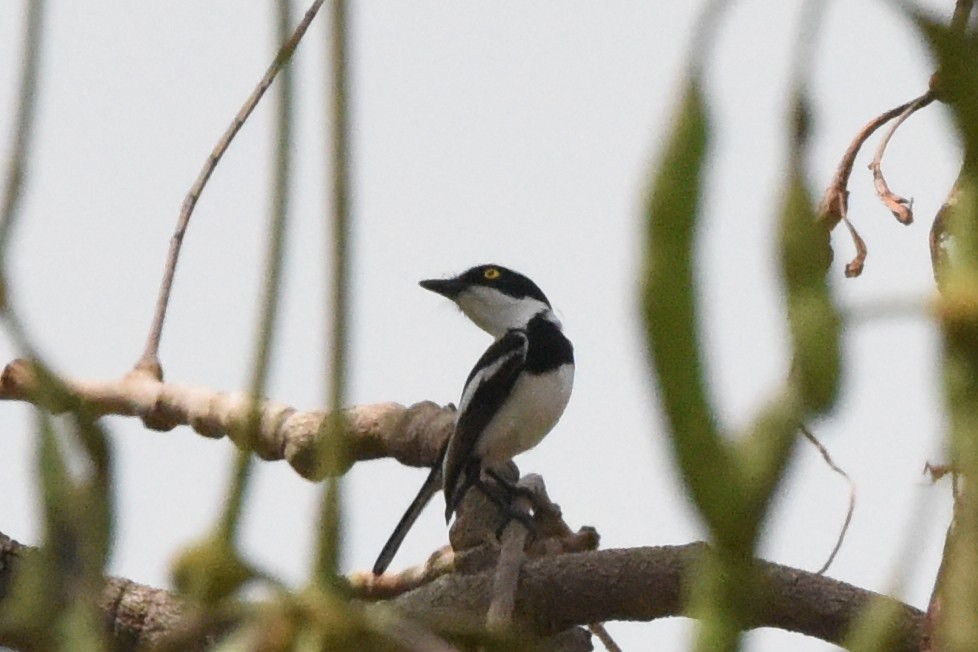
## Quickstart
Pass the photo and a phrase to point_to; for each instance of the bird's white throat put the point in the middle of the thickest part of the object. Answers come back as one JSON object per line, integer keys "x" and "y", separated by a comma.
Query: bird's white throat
{"x": 496, "y": 313}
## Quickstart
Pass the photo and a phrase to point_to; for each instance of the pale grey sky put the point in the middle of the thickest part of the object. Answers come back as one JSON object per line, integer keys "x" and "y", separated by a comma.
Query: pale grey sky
{"x": 513, "y": 132}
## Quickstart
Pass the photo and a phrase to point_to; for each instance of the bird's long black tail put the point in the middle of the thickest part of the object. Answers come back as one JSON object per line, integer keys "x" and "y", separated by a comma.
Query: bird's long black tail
{"x": 430, "y": 487}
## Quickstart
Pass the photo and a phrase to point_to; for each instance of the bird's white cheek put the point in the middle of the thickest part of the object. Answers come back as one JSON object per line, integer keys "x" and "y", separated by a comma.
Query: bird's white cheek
{"x": 495, "y": 312}
{"x": 484, "y": 311}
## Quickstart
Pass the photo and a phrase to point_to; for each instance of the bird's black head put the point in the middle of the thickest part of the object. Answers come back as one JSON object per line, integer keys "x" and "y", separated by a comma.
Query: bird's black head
{"x": 495, "y": 298}
{"x": 496, "y": 277}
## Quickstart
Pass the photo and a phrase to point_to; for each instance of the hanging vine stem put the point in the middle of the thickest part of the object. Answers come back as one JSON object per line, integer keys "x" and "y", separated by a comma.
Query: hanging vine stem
{"x": 336, "y": 455}
{"x": 13, "y": 183}
{"x": 23, "y": 123}
{"x": 149, "y": 362}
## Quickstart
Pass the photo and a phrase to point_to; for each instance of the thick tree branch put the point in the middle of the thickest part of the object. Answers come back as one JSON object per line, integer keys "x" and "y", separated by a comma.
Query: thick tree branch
{"x": 555, "y": 593}
{"x": 635, "y": 584}
{"x": 411, "y": 435}
{"x": 135, "y": 614}
{"x": 645, "y": 584}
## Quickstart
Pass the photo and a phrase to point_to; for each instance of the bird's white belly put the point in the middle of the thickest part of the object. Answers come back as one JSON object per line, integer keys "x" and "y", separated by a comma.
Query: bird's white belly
{"x": 535, "y": 406}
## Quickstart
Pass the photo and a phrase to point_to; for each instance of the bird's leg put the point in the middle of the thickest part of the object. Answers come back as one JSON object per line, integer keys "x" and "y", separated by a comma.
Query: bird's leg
{"x": 504, "y": 500}
{"x": 511, "y": 487}
{"x": 472, "y": 477}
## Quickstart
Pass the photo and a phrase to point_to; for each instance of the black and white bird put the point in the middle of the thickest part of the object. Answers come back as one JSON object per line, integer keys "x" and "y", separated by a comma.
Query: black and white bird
{"x": 514, "y": 395}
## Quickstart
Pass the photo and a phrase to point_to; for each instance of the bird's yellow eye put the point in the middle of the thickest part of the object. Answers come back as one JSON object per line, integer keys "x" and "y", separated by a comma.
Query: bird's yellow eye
{"x": 491, "y": 274}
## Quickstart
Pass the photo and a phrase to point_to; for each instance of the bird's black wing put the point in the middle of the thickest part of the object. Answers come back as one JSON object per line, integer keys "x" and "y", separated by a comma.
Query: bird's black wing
{"x": 486, "y": 389}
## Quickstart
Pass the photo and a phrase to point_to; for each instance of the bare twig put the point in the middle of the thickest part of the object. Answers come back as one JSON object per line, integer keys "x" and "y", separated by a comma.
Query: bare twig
{"x": 149, "y": 362}
{"x": 835, "y": 202}
{"x": 855, "y": 266}
{"x": 599, "y": 630}
{"x": 834, "y": 207}
{"x": 938, "y": 471}
{"x": 933, "y": 615}
{"x": 505, "y": 578}
{"x": 475, "y": 524}
{"x": 901, "y": 208}
{"x": 852, "y": 497}
{"x": 368, "y": 586}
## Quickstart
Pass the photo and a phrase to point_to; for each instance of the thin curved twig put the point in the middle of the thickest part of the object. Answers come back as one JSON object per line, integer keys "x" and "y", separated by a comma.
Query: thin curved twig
{"x": 855, "y": 266}
{"x": 834, "y": 207}
{"x": 149, "y": 362}
{"x": 852, "y": 497}
{"x": 835, "y": 202}
{"x": 901, "y": 207}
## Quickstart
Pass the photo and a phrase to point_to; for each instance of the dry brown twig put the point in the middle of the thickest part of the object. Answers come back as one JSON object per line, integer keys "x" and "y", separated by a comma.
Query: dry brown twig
{"x": 474, "y": 546}
{"x": 855, "y": 266}
{"x": 511, "y": 555}
{"x": 549, "y": 539}
{"x": 149, "y": 362}
{"x": 834, "y": 207}
{"x": 901, "y": 208}
{"x": 599, "y": 630}
{"x": 368, "y": 586}
{"x": 852, "y": 497}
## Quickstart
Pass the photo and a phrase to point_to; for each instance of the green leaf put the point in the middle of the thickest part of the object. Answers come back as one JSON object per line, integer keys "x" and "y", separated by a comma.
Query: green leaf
{"x": 210, "y": 570}
{"x": 53, "y": 600}
{"x": 956, "y": 81}
{"x": 814, "y": 323}
{"x": 670, "y": 314}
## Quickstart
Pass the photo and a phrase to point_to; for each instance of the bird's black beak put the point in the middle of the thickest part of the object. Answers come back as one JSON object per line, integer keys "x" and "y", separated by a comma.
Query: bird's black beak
{"x": 449, "y": 287}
